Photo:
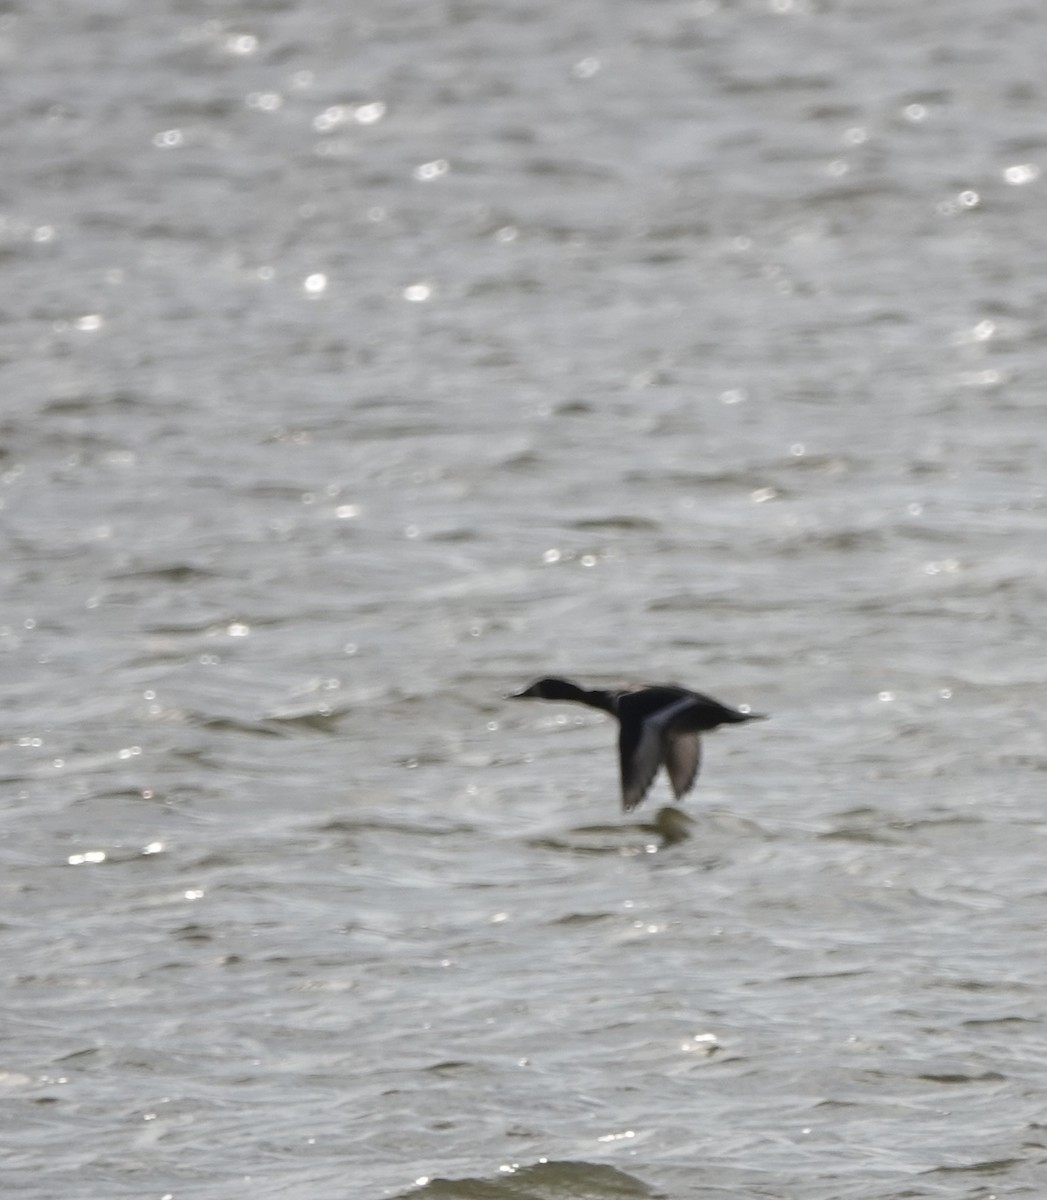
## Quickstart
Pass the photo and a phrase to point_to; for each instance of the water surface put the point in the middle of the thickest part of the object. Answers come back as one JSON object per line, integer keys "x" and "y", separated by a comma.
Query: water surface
{"x": 360, "y": 365}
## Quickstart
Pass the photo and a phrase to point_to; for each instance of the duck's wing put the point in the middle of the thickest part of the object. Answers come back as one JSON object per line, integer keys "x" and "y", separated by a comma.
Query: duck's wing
{"x": 642, "y": 744}
{"x": 640, "y": 756}
{"x": 683, "y": 757}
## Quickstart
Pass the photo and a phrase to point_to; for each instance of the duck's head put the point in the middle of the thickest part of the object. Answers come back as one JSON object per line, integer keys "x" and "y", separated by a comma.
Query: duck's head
{"x": 548, "y": 689}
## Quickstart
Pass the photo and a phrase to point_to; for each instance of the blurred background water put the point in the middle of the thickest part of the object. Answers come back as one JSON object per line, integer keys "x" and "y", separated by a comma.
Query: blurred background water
{"x": 361, "y": 363}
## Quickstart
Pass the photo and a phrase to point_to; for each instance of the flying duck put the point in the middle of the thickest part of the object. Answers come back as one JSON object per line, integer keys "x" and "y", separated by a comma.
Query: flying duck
{"x": 660, "y": 726}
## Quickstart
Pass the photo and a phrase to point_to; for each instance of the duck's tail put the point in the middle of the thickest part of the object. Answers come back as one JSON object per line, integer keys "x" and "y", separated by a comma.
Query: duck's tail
{"x": 736, "y": 716}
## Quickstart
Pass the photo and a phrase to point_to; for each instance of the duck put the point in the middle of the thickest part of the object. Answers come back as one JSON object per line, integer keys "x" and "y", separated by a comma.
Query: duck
{"x": 660, "y": 725}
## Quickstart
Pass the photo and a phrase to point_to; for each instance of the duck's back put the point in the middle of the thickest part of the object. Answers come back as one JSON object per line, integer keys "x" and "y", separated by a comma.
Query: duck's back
{"x": 699, "y": 713}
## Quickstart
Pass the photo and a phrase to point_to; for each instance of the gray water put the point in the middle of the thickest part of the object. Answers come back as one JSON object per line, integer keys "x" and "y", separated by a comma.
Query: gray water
{"x": 361, "y": 363}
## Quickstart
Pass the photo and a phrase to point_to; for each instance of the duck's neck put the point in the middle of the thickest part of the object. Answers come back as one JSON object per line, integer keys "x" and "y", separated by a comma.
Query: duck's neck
{"x": 597, "y": 698}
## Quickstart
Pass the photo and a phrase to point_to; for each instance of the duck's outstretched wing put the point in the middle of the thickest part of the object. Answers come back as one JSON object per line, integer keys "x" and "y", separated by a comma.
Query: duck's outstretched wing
{"x": 683, "y": 757}
{"x": 642, "y": 743}
{"x": 640, "y": 756}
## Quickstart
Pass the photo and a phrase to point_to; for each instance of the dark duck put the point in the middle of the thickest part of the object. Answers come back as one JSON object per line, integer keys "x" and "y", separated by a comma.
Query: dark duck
{"x": 660, "y": 725}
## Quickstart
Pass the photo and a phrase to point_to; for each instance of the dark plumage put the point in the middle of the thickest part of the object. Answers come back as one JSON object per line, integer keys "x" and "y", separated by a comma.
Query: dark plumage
{"x": 660, "y": 726}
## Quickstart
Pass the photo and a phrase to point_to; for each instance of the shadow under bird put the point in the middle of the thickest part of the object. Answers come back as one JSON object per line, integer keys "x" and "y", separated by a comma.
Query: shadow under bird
{"x": 660, "y": 725}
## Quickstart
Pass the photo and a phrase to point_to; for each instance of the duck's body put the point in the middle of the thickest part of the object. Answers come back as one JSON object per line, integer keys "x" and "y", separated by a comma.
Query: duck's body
{"x": 660, "y": 726}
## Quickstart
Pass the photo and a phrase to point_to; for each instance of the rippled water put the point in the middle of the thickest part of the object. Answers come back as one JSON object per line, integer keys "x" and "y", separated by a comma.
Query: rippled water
{"x": 360, "y": 364}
